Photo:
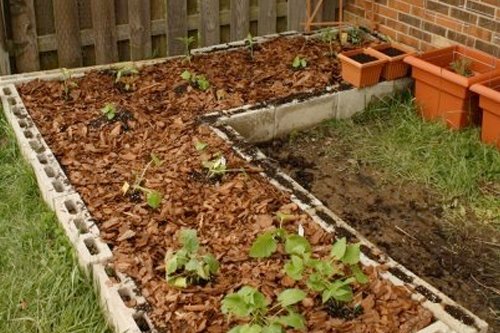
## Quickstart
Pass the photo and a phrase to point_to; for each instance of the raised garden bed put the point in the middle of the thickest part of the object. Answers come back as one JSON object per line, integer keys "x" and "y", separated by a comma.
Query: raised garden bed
{"x": 166, "y": 120}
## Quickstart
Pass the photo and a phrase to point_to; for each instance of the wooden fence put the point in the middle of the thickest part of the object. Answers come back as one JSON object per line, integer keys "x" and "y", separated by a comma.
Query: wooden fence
{"x": 46, "y": 34}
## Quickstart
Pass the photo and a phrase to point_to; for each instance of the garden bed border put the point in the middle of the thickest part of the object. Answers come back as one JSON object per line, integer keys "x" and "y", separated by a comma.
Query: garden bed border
{"x": 94, "y": 255}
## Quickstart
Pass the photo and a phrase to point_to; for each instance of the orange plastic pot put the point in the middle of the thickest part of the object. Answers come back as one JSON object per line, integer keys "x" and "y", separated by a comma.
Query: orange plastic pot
{"x": 489, "y": 101}
{"x": 444, "y": 94}
{"x": 395, "y": 67}
{"x": 358, "y": 74}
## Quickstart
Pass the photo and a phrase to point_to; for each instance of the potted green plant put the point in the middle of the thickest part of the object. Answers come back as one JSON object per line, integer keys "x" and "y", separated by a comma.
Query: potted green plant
{"x": 442, "y": 81}
{"x": 489, "y": 101}
{"x": 361, "y": 67}
{"x": 395, "y": 67}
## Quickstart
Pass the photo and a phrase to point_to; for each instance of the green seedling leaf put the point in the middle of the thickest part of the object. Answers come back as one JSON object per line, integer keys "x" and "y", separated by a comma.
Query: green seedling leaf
{"x": 291, "y": 296}
{"x": 263, "y": 246}
{"x": 153, "y": 198}
{"x": 296, "y": 244}
{"x": 189, "y": 240}
{"x": 253, "y": 297}
{"x": 202, "y": 82}
{"x": 294, "y": 267}
{"x": 315, "y": 282}
{"x": 339, "y": 248}
{"x": 156, "y": 160}
{"x": 358, "y": 274}
{"x": 351, "y": 255}
{"x": 296, "y": 62}
{"x": 186, "y": 75}
{"x": 272, "y": 328}
{"x": 339, "y": 292}
{"x": 247, "y": 328}
{"x": 212, "y": 263}
{"x": 179, "y": 282}
{"x": 294, "y": 320}
{"x": 200, "y": 145}
{"x": 283, "y": 218}
{"x": 109, "y": 111}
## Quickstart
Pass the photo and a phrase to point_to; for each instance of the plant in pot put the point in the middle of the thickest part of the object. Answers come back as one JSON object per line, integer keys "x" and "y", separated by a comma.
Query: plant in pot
{"x": 442, "y": 81}
{"x": 489, "y": 101}
{"x": 395, "y": 67}
{"x": 361, "y": 67}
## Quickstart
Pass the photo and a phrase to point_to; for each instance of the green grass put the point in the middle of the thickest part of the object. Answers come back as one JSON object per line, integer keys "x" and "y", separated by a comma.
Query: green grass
{"x": 391, "y": 135}
{"x": 41, "y": 288}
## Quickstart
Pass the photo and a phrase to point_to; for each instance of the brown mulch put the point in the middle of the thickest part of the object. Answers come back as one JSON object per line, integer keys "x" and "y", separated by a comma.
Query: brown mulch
{"x": 159, "y": 117}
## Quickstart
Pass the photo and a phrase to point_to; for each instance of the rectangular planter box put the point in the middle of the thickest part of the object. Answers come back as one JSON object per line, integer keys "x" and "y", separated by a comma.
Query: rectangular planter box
{"x": 489, "y": 101}
{"x": 444, "y": 94}
{"x": 358, "y": 74}
{"x": 395, "y": 67}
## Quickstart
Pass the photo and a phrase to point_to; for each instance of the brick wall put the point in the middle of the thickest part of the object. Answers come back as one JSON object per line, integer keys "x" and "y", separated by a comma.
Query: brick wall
{"x": 427, "y": 24}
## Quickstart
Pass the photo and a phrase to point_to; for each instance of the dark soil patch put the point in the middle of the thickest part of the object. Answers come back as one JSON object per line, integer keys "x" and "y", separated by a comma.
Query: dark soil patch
{"x": 363, "y": 58}
{"x": 405, "y": 220}
{"x": 392, "y": 52}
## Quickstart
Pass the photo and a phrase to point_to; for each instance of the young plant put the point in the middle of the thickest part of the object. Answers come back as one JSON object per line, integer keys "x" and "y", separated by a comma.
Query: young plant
{"x": 199, "y": 81}
{"x": 153, "y": 198}
{"x": 462, "y": 66}
{"x": 109, "y": 111}
{"x": 68, "y": 83}
{"x": 299, "y": 63}
{"x": 329, "y": 35}
{"x": 356, "y": 36}
{"x": 250, "y": 303}
{"x": 187, "y": 42}
{"x": 125, "y": 77}
{"x": 187, "y": 265}
{"x": 250, "y": 42}
{"x": 217, "y": 167}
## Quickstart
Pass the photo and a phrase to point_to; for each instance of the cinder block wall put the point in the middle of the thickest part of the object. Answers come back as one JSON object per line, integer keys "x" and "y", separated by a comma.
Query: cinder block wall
{"x": 427, "y": 24}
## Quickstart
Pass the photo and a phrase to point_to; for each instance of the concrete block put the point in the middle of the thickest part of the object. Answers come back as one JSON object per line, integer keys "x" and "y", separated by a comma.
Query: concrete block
{"x": 301, "y": 115}
{"x": 437, "y": 327}
{"x": 403, "y": 84}
{"x": 350, "y": 102}
{"x": 378, "y": 91}
{"x": 254, "y": 125}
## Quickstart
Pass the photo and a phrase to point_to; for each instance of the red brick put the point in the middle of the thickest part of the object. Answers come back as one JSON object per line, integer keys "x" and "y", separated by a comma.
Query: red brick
{"x": 405, "y": 39}
{"x": 387, "y": 12}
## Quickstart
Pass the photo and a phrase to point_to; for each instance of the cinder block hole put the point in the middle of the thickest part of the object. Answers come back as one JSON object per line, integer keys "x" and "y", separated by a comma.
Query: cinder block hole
{"x": 42, "y": 159}
{"x": 37, "y": 146}
{"x": 80, "y": 225}
{"x": 49, "y": 171}
{"x": 91, "y": 245}
{"x": 141, "y": 322}
{"x": 58, "y": 186}
{"x": 28, "y": 134}
{"x": 22, "y": 123}
{"x": 7, "y": 91}
{"x": 11, "y": 101}
{"x": 71, "y": 207}
{"x": 111, "y": 273}
{"x": 19, "y": 112}
{"x": 124, "y": 295}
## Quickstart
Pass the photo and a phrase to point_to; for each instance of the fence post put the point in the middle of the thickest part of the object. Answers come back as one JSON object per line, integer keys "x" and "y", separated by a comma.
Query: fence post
{"x": 103, "y": 18}
{"x": 267, "y": 17}
{"x": 209, "y": 22}
{"x": 240, "y": 19}
{"x": 4, "y": 53}
{"x": 24, "y": 35}
{"x": 176, "y": 26}
{"x": 67, "y": 28}
{"x": 139, "y": 20}
{"x": 296, "y": 14}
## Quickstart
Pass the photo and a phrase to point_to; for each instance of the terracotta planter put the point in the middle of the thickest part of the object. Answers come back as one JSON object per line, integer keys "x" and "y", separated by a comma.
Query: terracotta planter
{"x": 489, "y": 101}
{"x": 395, "y": 67}
{"x": 444, "y": 94}
{"x": 361, "y": 74}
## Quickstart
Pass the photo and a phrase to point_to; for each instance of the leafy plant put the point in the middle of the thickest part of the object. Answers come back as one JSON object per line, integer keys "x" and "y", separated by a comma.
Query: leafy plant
{"x": 299, "y": 63}
{"x": 187, "y": 266}
{"x": 125, "y": 76}
{"x": 329, "y": 35}
{"x": 153, "y": 198}
{"x": 187, "y": 42}
{"x": 356, "y": 36}
{"x": 199, "y": 81}
{"x": 462, "y": 66}
{"x": 250, "y": 42}
{"x": 250, "y": 303}
{"x": 67, "y": 81}
{"x": 109, "y": 111}
{"x": 218, "y": 167}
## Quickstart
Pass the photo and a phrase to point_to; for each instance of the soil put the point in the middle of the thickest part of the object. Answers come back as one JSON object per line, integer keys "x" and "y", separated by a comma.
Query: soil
{"x": 228, "y": 213}
{"x": 392, "y": 52}
{"x": 363, "y": 58}
{"x": 404, "y": 219}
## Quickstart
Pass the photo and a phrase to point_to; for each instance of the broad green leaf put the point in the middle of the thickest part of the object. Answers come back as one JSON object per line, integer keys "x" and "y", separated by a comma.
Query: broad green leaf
{"x": 303, "y": 63}
{"x": 171, "y": 264}
{"x": 296, "y": 62}
{"x": 202, "y": 83}
{"x": 324, "y": 268}
{"x": 352, "y": 254}
{"x": 192, "y": 265}
{"x": 339, "y": 248}
{"x": 153, "y": 199}
{"x": 247, "y": 328}
{"x": 179, "y": 282}
{"x": 189, "y": 240}
{"x": 200, "y": 145}
{"x": 186, "y": 75}
{"x": 211, "y": 261}
{"x": 293, "y": 320}
{"x": 253, "y": 297}
{"x": 316, "y": 282}
{"x": 358, "y": 274}
{"x": 296, "y": 244}
{"x": 234, "y": 304}
{"x": 263, "y": 246}
{"x": 291, "y": 296}
{"x": 272, "y": 328}
{"x": 294, "y": 267}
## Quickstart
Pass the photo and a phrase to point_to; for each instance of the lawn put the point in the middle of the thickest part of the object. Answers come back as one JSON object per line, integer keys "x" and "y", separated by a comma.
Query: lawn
{"x": 41, "y": 287}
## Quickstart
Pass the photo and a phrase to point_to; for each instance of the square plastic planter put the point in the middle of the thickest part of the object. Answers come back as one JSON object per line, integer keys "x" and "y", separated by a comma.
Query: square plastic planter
{"x": 361, "y": 67}
{"x": 444, "y": 94}
{"x": 489, "y": 101}
{"x": 395, "y": 67}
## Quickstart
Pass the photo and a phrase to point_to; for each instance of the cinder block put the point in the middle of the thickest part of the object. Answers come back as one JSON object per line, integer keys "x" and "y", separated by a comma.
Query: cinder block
{"x": 403, "y": 84}
{"x": 378, "y": 91}
{"x": 350, "y": 102}
{"x": 437, "y": 327}
{"x": 254, "y": 125}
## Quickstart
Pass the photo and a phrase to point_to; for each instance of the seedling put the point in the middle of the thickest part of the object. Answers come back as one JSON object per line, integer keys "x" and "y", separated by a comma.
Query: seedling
{"x": 199, "y": 81}
{"x": 250, "y": 42}
{"x": 109, "y": 111}
{"x": 356, "y": 36}
{"x": 218, "y": 167}
{"x": 462, "y": 66}
{"x": 67, "y": 81}
{"x": 250, "y": 303}
{"x": 200, "y": 145}
{"x": 187, "y": 265}
{"x": 187, "y": 42}
{"x": 299, "y": 63}
{"x": 329, "y": 35}
{"x": 125, "y": 76}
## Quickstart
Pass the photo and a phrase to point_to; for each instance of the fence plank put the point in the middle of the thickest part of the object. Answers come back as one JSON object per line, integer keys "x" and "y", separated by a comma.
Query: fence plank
{"x": 267, "y": 17}
{"x": 139, "y": 13}
{"x": 240, "y": 19}
{"x": 329, "y": 8}
{"x": 24, "y": 35}
{"x": 4, "y": 54}
{"x": 209, "y": 22}
{"x": 103, "y": 18}
{"x": 296, "y": 14}
{"x": 176, "y": 25}
{"x": 67, "y": 33}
